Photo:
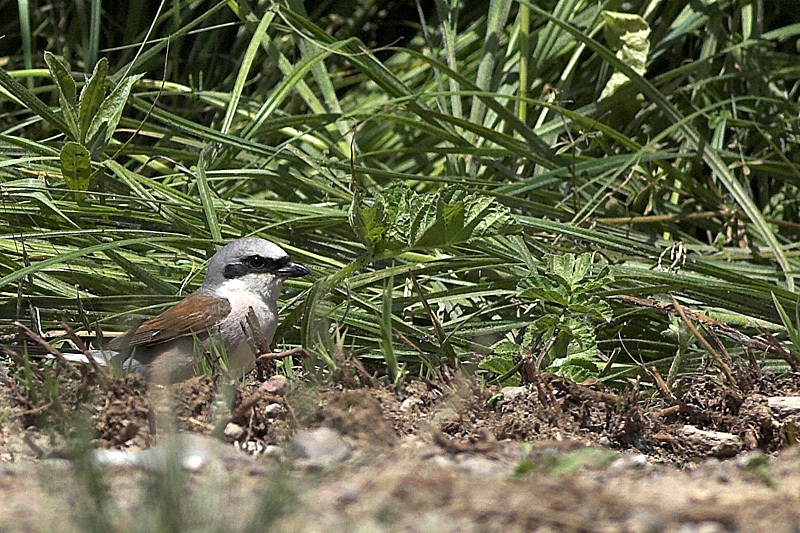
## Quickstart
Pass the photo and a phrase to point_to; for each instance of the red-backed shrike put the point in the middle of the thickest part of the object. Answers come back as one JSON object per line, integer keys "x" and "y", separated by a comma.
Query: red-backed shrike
{"x": 245, "y": 274}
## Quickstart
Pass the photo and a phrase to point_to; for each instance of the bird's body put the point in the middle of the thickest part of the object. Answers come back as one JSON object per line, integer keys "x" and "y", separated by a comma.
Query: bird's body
{"x": 240, "y": 293}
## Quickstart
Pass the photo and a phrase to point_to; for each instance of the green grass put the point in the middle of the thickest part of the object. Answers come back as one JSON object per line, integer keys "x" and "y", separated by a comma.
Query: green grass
{"x": 242, "y": 118}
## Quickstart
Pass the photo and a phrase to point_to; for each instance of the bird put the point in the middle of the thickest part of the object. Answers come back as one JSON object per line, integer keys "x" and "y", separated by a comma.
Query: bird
{"x": 238, "y": 300}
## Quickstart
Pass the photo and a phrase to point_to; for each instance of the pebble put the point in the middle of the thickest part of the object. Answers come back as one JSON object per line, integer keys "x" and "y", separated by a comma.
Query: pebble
{"x": 446, "y": 416}
{"x": 509, "y": 393}
{"x": 275, "y": 384}
{"x": 320, "y": 447}
{"x": 785, "y": 405}
{"x": 274, "y": 410}
{"x": 233, "y": 431}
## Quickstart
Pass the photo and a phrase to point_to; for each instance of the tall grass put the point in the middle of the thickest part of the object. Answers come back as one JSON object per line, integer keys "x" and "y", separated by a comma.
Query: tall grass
{"x": 290, "y": 122}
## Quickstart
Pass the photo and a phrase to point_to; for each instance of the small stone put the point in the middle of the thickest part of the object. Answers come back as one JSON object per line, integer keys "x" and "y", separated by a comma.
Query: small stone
{"x": 270, "y": 450}
{"x": 409, "y": 403}
{"x": 785, "y": 405}
{"x": 275, "y": 384}
{"x": 703, "y": 527}
{"x": 509, "y": 393}
{"x": 715, "y": 443}
{"x": 233, "y": 431}
{"x": 320, "y": 447}
{"x": 481, "y": 466}
{"x": 252, "y": 447}
{"x": 447, "y": 416}
{"x": 628, "y": 462}
{"x": 115, "y": 458}
{"x": 274, "y": 410}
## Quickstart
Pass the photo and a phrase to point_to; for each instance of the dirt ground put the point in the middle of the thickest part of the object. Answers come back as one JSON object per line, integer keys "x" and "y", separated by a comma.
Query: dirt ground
{"x": 86, "y": 451}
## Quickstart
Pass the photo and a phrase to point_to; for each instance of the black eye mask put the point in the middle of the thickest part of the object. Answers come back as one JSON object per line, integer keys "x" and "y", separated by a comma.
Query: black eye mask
{"x": 255, "y": 264}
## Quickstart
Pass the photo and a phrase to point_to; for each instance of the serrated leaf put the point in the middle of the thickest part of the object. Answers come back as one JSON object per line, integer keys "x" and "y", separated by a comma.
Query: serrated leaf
{"x": 92, "y": 97}
{"x": 400, "y": 219}
{"x": 577, "y": 369}
{"x": 506, "y": 348}
{"x": 76, "y": 167}
{"x": 368, "y": 220}
{"x": 500, "y": 365}
{"x": 593, "y": 308}
{"x": 629, "y": 35}
{"x": 105, "y": 121}
{"x": 399, "y": 201}
{"x": 452, "y": 216}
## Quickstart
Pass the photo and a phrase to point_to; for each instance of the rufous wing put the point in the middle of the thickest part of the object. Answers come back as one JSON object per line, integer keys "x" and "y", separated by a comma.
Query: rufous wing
{"x": 194, "y": 315}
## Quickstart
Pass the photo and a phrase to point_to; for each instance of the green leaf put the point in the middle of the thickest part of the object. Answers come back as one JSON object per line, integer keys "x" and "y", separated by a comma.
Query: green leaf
{"x": 400, "y": 219}
{"x": 453, "y": 216}
{"x": 91, "y": 99}
{"x": 105, "y": 121}
{"x": 629, "y": 36}
{"x": 76, "y": 167}
{"x": 500, "y": 365}
{"x": 66, "y": 91}
{"x": 368, "y": 220}
{"x": 791, "y": 328}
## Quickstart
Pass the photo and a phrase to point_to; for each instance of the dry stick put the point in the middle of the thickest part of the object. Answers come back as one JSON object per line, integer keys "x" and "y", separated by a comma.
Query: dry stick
{"x": 714, "y": 325}
{"x": 710, "y": 349}
{"x": 21, "y": 361}
{"x": 258, "y": 342}
{"x": 46, "y": 345}
{"x": 274, "y": 356}
{"x": 782, "y": 352}
{"x": 81, "y": 346}
{"x": 753, "y": 363}
{"x": 719, "y": 346}
{"x": 545, "y": 350}
{"x": 662, "y": 386}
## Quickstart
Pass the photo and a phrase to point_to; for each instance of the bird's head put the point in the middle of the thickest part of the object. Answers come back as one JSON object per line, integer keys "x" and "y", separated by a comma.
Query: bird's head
{"x": 250, "y": 264}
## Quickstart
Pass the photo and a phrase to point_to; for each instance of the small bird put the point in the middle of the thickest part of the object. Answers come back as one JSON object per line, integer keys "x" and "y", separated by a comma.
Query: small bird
{"x": 239, "y": 293}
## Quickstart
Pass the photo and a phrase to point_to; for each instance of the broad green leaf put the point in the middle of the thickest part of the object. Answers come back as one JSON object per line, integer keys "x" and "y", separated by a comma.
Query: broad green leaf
{"x": 629, "y": 35}
{"x": 66, "y": 91}
{"x": 104, "y": 123}
{"x": 92, "y": 97}
{"x": 76, "y": 167}
{"x": 453, "y": 216}
{"x": 401, "y": 219}
{"x": 369, "y": 222}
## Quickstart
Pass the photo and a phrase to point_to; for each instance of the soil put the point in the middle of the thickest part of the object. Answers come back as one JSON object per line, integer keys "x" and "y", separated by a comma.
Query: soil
{"x": 80, "y": 449}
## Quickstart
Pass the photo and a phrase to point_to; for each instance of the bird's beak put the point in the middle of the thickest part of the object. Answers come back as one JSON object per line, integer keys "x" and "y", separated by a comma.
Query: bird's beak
{"x": 293, "y": 270}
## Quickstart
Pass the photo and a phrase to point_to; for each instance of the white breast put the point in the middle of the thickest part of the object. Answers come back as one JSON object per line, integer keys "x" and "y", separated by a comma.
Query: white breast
{"x": 235, "y": 330}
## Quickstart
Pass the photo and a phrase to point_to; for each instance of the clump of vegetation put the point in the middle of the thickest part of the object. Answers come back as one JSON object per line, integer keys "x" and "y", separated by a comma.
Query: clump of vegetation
{"x": 447, "y": 170}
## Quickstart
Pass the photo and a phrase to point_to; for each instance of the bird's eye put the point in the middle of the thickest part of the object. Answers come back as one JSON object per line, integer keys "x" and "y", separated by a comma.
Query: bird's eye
{"x": 256, "y": 261}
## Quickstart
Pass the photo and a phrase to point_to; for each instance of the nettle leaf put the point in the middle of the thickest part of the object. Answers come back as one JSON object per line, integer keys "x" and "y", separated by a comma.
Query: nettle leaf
{"x": 453, "y": 215}
{"x": 577, "y": 369}
{"x": 92, "y": 97}
{"x": 369, "y": 221}
{"x": 399, "y": 219}
{"x": 569, "y": 269}
{"x": 507, "y": 349}
{"x": 538, "y": 289}
{"x": 629, "y": 35}
{"x": 594, "y": 308}
{"x": 105, "y": 121}
{"x": 565, "y": 280}
{"x": 59, "y": 71}
{"x": 500, "y": 365}
{"x": 399, "y": 202}
{"x": 76, "y": 167}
